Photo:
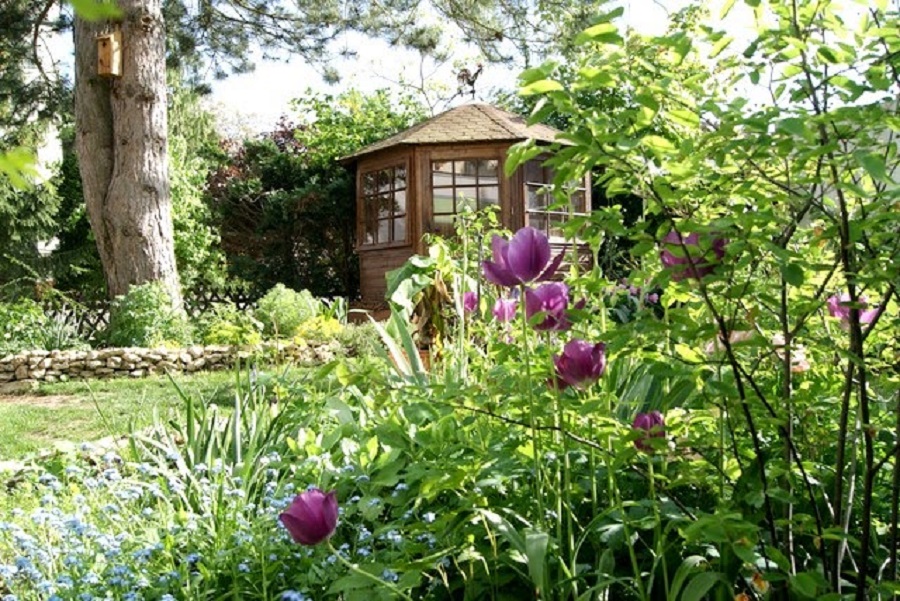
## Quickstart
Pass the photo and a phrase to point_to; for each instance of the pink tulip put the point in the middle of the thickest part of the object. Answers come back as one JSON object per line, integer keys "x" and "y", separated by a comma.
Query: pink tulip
{"x": 312, "y": 517}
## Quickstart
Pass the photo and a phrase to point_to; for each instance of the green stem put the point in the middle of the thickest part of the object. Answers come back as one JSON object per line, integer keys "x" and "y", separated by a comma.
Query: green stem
{"x": 535, "y": 440}
{"x": 356, "y": 569}
{"x": 657, "y": 525}
{"x": 635, "y": 566}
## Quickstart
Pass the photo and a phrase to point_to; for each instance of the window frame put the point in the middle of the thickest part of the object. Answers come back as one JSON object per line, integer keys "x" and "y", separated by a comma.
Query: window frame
{"x": 545, "y": 188}
{"x": 368, "y": 202}
{"x": 495, "y": 182}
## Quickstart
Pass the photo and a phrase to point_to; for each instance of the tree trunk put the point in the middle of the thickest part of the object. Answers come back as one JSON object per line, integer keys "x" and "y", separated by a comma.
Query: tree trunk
{"x": 120, "y": 125}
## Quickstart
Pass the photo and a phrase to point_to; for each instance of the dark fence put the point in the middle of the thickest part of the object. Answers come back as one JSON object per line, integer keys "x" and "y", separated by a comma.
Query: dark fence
{"x": 91, "y": 316}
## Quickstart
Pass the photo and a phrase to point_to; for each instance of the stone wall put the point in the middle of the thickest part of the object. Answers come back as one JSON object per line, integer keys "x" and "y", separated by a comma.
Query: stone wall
{"x": 55, "y": 366}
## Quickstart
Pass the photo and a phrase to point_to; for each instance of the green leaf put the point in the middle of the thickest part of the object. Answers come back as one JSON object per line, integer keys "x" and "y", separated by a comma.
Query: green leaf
{"x": 806, "y": 584}
{"x": 827, "y": 55}
{"x": 536, "y": 551}
{"x": 685, "y": 117}
{"x": 648, "y": 101}
{"x": 16, "y": 164}
{"x": 794, "y": 126}
{"x": 96, "y": 10}
{"x": 700, "y": 585}
{"x": 792, "y": 274}
{"x": 726, "y": 8}
{"x": 541, "y": 87}
{"x": 658, "y": 144}
{"x": 721, "y": 45}
{"x": 604, "y": 33}
{"x": 873, "y": 164}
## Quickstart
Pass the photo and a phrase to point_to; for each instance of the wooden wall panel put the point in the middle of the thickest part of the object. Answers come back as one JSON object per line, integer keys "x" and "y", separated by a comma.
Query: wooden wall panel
{"x": 374, "y": 264}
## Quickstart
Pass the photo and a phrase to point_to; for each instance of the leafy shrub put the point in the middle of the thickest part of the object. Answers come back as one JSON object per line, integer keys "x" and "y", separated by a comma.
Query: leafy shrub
{"x": 226, "y": 324}
{"x": 318, "y": 329}
{"x": 21, "y": 324}
{"x": 360, "y": 340}
{"x": 25, "y": 326}
{"x": 282, "y": 310}
{"x": 145, "y": 317}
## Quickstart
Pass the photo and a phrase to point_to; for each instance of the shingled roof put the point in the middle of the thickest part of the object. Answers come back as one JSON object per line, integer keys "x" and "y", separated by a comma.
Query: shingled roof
{"x": 473, "y": 122}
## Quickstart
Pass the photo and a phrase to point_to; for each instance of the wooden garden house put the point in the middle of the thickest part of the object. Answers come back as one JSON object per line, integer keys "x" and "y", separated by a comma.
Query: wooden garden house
{"x": 416, "y": 181}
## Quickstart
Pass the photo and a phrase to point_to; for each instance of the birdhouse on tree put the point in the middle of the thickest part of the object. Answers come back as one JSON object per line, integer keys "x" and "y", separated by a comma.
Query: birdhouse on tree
{"x": 109, "y": 54}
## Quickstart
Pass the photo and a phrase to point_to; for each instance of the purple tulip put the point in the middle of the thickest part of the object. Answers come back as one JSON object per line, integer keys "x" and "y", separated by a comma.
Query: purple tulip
{"x": 470, "y": 301}
{"x": 839, "y": 308}
{"x": 580, "y": 364}
{"x": 312, "y": 517}
{"x": 505, "y": 309}
{"x": 700, "y": 259}
{"x": 650, "y": 425}
{"x": 523, "y": 259}
{"x": 552, "y": 300}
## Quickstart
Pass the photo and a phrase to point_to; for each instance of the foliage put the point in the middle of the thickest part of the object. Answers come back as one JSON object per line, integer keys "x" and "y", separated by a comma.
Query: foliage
{"x": 226, "y": 324}
{"x": 193, "y": 155}
{"x": 723, "y": 433}
{"x": 285, "y": 206}
{"x": 359, "y": 340}
{"x": 25, "y": 326}
{"x": 318, "y": 328}
{"x": 799, "y": 186}
{"x": 145, "y": 317}
{"x": 282, "y": 310}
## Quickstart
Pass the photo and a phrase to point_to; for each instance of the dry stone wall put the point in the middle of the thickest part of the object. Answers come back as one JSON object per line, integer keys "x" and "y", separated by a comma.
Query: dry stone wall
{"x": 55, "y": 366}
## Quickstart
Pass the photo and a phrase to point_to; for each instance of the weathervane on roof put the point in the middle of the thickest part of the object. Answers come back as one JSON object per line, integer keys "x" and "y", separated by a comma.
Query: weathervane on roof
{"x": 467, "y": 78}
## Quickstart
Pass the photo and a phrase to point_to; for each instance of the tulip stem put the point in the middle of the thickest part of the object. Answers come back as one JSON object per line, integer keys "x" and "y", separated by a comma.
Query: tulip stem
{"x": 535, "y": 441}
{"x": 355, "y": 568}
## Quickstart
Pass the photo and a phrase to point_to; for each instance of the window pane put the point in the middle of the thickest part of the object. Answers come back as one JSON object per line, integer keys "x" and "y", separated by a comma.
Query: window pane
{"x": 443, "y": 201}
{"x": 555, "y": 223}
{"x": 400, "y": 202}
{"x": 468, "y": 177}
{"x": 578, "y": 201}
{"x": 488, "y": 195}
{"x": 442, "y": 173}
{"x": 384, "y": 230}
{"x": 537, "y": 197}
{"x": 487, "y": 171}
{"x": 400, "y": 178}
{"x": 384, "y": 180}
{"x": 371, "y": 225}
{"x": 467, "y": 193}
{"x": 445, "y": 220}
{"x": 466, "y": 169}
{"x": 538, "y": 221}
{"x": 369, "y": 184}
{"x": 399, "y": 229}
{"x": 533, "y": 172}
{"x": 384, "y": 205}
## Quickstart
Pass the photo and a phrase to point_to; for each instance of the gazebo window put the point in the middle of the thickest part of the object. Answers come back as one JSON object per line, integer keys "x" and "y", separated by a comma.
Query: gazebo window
{"x": 473, "y": 183}
{"x": 384, "y": 205}
{"x": 542, "y": 210}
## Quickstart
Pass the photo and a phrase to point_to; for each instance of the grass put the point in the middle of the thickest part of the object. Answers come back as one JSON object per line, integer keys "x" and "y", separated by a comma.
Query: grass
{"x": 90, "y": 410}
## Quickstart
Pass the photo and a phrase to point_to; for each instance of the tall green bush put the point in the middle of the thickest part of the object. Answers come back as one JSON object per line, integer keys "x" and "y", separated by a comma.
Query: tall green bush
{"x": 145, "y": 317}
{"x": 282, "y": 310}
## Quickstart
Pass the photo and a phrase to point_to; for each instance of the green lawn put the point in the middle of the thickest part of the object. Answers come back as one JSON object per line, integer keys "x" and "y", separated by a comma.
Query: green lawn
{"x": 85, "y": 411}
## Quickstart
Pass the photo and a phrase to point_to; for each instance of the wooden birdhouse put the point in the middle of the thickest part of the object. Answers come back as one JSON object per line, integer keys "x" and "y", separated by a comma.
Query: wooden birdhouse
{"x": 109, "y": 54}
